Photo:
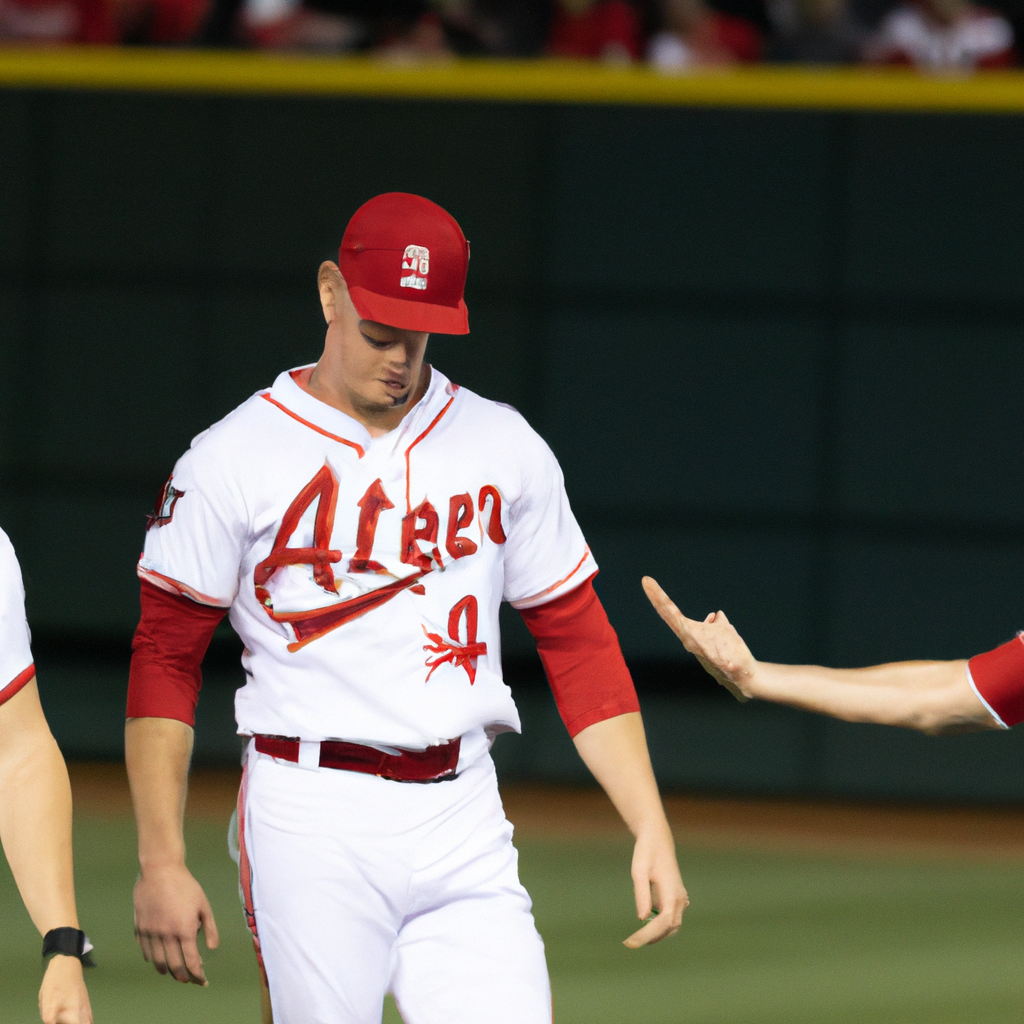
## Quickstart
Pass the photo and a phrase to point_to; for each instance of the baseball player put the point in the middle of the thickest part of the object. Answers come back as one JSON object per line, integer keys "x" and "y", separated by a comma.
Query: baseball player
{"x": 360, "y": 523}
{"x": 986, "y": 692}
{"x": 35, "y": 811}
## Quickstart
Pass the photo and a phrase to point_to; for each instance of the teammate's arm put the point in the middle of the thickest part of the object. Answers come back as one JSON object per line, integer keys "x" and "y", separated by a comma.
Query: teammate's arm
{"x": 35, "y": 827}
{"x": 170, "y": 905}
{"x": 615, "y": 751}
{"x": 931, "y": 696}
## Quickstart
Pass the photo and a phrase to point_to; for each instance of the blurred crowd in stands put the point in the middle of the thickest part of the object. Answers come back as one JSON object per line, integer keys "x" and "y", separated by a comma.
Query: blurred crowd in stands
{"x": 673, "y": 36}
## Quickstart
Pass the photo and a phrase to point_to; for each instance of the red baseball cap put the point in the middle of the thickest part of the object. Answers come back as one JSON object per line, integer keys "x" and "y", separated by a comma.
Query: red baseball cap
{"x": 404, "y": 260}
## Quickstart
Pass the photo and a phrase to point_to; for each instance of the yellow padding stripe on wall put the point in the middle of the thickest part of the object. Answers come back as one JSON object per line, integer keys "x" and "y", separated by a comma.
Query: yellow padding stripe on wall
{"x": 544, "y": 81}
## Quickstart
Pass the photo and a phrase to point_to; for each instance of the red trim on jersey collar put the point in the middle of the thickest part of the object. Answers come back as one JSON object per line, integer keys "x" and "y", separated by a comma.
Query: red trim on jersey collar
{"x": 19, "y": 682}
{"x": 297, "y": 378}
{"x": 408, "y": 468}
{"x": 313, "y": 426}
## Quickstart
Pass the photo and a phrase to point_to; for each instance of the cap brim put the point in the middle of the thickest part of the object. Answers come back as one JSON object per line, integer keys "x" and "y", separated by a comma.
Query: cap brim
{"x": 410, "y": 315}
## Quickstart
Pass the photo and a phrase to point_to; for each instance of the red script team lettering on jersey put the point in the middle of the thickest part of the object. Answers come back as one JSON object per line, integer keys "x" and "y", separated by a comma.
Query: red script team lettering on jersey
{"x": 371, "y": 504}
{"x": 421, "y": 524}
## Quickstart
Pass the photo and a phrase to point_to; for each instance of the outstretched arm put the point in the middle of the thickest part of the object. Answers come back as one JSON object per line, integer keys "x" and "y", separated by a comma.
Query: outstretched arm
{"x": 615, "y": 751}
{"x": 170, "y": 905}
{"x": 35, "y": 827}
{"x": 931, "y": 696}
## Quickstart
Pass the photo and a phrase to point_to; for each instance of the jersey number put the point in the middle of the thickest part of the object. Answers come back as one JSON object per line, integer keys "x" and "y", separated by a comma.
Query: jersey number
{"x": 453, "y": 651}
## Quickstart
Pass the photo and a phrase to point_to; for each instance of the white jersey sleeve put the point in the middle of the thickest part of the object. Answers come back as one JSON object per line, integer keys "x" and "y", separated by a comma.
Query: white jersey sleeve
{"x": 545, "y": 552}
{"x": 15, "y": 651}
{"x": 196, "y": 534}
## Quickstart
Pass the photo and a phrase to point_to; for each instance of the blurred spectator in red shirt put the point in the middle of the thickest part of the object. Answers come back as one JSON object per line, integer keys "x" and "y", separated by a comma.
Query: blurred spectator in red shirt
{"x": 696, "y": 35}
{"x": 819, "y": 32}
{"x": 102, "y": 21}
{"x": 163, "y": 21}
{"x": 606, "y": 30}
{"x": 55, "y": 21}
{"x": 943, "y": 35}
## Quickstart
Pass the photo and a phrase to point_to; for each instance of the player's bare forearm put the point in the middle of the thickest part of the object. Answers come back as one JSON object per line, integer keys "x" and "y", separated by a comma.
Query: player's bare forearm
{"x": 157, "y": 752}
{"x": 615, "y": 751}
{"x": 35, "y": 827}
{"x": 170, "y": 906}
{"x": 35, "y": 812}
{"x": 931, "y": 696}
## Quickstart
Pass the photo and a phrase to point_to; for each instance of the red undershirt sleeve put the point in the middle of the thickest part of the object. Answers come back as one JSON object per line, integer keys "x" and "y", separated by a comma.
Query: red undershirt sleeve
{"x": 581, "y": 656}
{"x": 998, "y": 679}
{"x": 167, "y": 652}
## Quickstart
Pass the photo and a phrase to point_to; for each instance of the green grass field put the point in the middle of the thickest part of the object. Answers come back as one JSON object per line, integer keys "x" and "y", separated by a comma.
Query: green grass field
{"x": 771, "y": 938}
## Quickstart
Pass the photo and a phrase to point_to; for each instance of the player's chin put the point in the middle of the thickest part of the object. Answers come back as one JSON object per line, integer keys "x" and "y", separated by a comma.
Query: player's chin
{"x": 383, "y": 400}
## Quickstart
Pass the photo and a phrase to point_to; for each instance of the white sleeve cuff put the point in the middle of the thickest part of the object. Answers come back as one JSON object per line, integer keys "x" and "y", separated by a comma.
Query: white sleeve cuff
{"x": 988, "y": 707}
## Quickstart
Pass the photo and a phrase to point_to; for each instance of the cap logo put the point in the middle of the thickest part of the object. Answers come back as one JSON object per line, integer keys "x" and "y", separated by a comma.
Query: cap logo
{"x": 417, "y": 261}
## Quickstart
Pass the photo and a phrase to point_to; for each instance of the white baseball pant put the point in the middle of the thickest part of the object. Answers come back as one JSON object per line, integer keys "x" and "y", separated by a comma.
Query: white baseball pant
{"x": 357, "y": 886}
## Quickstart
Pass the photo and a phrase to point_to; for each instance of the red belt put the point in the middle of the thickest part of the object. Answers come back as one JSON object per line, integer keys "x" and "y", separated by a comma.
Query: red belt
{"x": 435, "y": 764}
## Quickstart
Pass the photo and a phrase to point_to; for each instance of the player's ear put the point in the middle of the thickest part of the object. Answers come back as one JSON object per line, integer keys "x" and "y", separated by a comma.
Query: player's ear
{"x": 332, "y": 286}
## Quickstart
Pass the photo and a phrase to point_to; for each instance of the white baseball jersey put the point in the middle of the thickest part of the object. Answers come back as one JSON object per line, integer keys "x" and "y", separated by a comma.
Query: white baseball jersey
{"x": 364, "y": 575}
{"x": 15, "y": 650}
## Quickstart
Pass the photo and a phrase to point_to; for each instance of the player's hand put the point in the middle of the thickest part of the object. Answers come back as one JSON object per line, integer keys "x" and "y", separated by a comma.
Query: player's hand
{"x": 62, "y": 997}
{"x": 660, "y": 894}
{"x": 715, "y": 642}
{"x": 170, "y": 908}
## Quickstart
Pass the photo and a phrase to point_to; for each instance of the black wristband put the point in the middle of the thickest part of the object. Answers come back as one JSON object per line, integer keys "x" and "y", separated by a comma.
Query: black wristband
{"x": 68, "y": 942}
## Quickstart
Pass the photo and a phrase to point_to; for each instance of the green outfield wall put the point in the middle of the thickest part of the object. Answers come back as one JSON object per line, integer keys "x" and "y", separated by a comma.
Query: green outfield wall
{"x": 777, "y": 349}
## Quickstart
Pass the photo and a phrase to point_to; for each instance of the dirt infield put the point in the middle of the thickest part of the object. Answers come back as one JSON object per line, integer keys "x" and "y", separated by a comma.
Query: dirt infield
{"x": 540, "y": 812}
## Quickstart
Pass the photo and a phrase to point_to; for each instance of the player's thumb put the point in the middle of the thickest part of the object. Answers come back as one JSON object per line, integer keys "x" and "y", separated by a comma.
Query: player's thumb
{"x": 209, "y": 926}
